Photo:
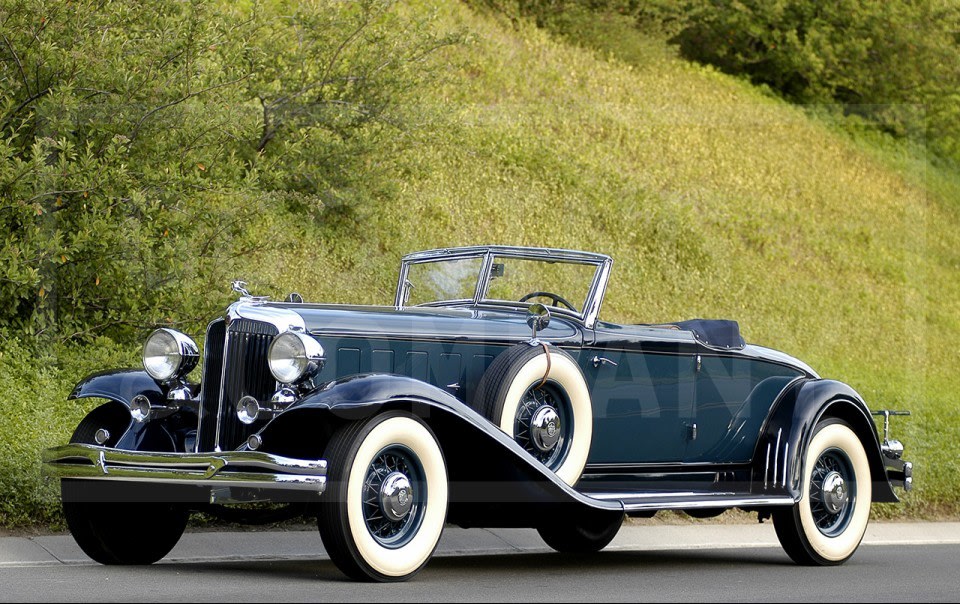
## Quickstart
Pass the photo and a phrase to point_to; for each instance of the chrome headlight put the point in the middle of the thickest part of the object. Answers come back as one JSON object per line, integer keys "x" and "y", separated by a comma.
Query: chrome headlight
{"x": 294, "y": 356}
{"x": 169, "y": 354}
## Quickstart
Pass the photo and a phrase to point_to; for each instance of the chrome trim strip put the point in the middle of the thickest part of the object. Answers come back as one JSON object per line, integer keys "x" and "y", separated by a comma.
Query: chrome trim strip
{"x": 710, "y": 503}
{"x": 776, "y": 456}
{"x": 652, "y": 495}
{"x": 479, "y": 250}
{"x": 93, "y": 462}
{"x": 766, "y": 468}
{"x": 223, "y": 380}
{"x": 201, "y": 411}
{"x": 484, "y": 281}
{"x": 506, "y": 341}
{"x": 786, "y": 454}
{"x": 592, "y": 308}
{"x": 686, "y": 501}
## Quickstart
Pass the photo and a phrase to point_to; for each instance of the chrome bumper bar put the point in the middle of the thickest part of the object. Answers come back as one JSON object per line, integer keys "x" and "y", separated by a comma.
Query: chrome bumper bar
{"x": 243, "y": 469}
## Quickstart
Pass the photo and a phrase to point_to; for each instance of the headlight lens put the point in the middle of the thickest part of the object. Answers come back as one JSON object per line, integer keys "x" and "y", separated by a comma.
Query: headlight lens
{"x": 168, "y": 354}
{"x": 294, "y": 356}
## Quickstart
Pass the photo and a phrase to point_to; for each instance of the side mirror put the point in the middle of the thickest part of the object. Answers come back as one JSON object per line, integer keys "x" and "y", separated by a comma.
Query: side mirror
{"x": 538, "y": 317}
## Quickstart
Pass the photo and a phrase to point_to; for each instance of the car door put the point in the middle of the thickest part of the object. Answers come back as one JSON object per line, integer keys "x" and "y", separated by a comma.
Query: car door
{"x": 642, "y": 401}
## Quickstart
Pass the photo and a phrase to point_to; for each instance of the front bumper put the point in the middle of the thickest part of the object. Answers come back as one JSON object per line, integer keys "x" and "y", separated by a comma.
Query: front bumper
{"x": 219, "y": 473}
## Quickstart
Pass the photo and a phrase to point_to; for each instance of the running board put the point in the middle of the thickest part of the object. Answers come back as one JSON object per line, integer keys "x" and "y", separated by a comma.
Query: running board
{"x": 689, "y": 500}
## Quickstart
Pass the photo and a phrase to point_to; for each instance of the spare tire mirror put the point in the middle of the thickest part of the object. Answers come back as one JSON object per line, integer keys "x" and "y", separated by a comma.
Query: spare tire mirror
{"x": 538, "y": 317}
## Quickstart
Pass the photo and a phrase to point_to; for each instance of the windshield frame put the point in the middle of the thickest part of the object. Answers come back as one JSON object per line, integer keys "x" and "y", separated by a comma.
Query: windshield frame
{"x": 591, "y": 308}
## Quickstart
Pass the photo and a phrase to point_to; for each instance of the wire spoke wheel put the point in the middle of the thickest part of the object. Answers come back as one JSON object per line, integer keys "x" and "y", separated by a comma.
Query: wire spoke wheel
{"x": 384, "y": 511}
{"x": 827, "y": 525}
{"x": 542, "y": 426}
{"x": 832, "y": 492}
{"x": 537, "y": 395}
{"x": 394, "y": 491}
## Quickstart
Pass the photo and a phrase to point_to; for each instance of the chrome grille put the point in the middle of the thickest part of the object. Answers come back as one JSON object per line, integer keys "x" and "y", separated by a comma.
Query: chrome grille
{"x": 210, "y": 386}
{"x": 240, "y": 369}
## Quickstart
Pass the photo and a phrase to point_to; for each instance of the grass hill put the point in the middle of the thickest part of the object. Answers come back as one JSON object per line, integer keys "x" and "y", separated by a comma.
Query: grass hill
{"x": 714, "y": 198}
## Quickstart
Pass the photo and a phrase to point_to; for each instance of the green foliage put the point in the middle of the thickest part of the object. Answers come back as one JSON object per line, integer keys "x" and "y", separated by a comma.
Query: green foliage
{"x": 145, "y": 147}
{"x": 896, "y": 63}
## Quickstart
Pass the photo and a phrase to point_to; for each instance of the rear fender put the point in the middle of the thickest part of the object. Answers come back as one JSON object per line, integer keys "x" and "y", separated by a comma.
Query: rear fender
{"x": 781, "y": 449}
{"x": 493, "y": 481}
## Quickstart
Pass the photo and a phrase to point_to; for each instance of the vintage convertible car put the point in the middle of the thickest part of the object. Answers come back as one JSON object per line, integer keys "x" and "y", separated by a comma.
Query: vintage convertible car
{"x": 488, "y": 395}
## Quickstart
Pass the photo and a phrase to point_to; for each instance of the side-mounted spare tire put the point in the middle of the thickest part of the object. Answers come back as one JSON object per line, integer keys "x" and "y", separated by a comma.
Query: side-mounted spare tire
{"x": 537, "y": 394}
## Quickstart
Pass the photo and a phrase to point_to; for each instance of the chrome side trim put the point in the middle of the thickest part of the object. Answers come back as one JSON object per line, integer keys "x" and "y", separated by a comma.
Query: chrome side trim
{"x": 639, "y": 502}
{"x": 223, "y": 380}
{"x": 766, "y": 469}
{"x": 776, "y": 457}
{"x": 786, "y": 454}
{"x": 233, "y": 469}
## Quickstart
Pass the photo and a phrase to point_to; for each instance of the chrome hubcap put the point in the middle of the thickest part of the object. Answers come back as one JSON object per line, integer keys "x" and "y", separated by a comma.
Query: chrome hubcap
{"x": 834, "y": 492}
{"x": 545, "y": 428}
{"x": 396, "y": 496}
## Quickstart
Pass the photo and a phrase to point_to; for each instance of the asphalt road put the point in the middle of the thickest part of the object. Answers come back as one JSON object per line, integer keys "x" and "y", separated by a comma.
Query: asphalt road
{"x": 877, "y": 573}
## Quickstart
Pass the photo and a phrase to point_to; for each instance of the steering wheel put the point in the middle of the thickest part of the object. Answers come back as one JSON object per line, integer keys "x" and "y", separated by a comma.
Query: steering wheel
{"x": 556, "y": 298}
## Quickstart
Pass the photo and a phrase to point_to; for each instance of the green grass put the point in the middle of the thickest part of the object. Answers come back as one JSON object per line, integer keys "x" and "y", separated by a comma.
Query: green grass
{"x": 715, "y": 200}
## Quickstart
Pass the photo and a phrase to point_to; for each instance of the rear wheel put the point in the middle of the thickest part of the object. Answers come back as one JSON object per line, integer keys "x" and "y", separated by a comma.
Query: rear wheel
{"x": 828, "y": 523}
{"x": 584, "y": 535}
{"x": 386, "y": 502}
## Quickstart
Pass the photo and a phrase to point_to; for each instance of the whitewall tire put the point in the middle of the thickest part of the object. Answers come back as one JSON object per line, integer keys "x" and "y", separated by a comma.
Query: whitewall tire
{"x": 386, "y": 501}
{"x": 551, "y": 418}
{"x": 828, "y": 523}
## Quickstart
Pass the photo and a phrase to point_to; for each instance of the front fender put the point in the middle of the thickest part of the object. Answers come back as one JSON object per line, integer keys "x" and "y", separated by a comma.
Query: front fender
{"x": 120, "y": 385}
{"x": 493, "y": 481}
{"x": 782, "y": 447}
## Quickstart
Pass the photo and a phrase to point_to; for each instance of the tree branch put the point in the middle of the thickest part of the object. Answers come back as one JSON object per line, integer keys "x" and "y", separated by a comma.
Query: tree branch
{"x": 16, "y": 58}
{"x": 136, "y": 129}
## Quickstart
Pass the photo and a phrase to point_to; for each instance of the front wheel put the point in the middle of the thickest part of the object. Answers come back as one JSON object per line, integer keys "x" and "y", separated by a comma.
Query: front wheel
{"x": 120, "y": 533}
{"x": 386, "y": 503}
{"x": 828, "y": 523}
{"x": 113, "y": 532}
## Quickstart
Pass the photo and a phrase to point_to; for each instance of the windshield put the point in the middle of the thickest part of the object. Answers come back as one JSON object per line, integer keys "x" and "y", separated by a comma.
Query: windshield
{"x": 558, "y": 284}
{"x": 514, "y": 278}
{"x": 445, "y": 280}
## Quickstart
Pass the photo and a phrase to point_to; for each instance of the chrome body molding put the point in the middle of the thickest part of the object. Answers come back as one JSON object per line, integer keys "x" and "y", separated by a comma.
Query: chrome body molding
{"x": 232, "y": 469}
{"x": 690, "y": 500}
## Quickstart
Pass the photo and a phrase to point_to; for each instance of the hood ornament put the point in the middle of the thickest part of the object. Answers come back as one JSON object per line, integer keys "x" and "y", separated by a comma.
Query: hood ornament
{"x": 241, "y": 288}
{"x": 245, "y": 296}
